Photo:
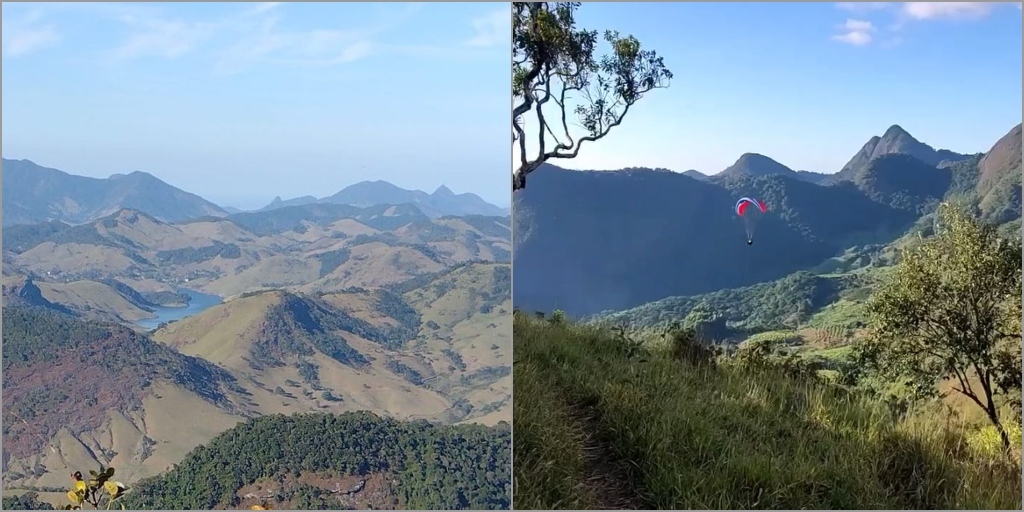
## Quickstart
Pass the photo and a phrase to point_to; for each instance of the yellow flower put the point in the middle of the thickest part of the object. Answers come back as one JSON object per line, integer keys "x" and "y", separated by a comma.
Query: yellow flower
{"x": 80, "y": 486}
{"x": 113, "y": 488}
{"x": 76, "y": 498}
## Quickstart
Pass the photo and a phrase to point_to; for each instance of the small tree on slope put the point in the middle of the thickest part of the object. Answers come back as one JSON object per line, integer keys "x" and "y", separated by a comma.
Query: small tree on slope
{"x": 952, "y": 310}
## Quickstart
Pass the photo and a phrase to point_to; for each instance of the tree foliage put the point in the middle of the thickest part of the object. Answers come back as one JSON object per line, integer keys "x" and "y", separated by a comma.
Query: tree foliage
{"x": 434, "y": 467}
{"x": 952, "y": 310}
{"x": 26, "y": 501}
{"x": 553, "y": 61}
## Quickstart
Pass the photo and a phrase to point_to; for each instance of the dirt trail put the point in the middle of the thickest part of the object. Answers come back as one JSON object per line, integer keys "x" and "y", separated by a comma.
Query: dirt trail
{"x": 607, "y": 478}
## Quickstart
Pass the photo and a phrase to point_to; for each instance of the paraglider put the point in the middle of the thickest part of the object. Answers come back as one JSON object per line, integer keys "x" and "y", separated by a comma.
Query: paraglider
{"x": 750, "y": 210}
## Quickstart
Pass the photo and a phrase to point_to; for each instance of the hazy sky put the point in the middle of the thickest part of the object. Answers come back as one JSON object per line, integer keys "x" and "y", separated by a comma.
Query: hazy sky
{"x": 809, "y": 83}
{"x": 242, "y": 102}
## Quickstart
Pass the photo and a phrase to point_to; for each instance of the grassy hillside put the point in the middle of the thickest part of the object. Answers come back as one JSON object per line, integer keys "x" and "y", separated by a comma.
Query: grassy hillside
{"x": 353, "y": 460}
{"x": 114, "y": 407}
{"x": 783, "y": 303}
{"x": 437, "y": 347}
{"x": 603, "y": 423}
{"x": 624, "y": 412}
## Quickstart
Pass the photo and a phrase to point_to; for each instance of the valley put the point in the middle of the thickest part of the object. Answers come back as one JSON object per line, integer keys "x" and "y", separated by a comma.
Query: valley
{"x": 228, "y": 318}
{"x": 672, "y": 235}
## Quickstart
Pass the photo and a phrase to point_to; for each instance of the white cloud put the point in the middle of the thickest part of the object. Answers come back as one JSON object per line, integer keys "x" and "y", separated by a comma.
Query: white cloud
{"x": 862, "y": 6}
{"x": 241, "y": 40}
{"x": 162, "y": 38}
{"x": 262, "y": 7}
{"x": 860, "y": 33}
{"x": 268, "y": 42}
{"x": 356, "y": 51}
{"x": 856, "y": 33}
{"x": 492, "y": 29}
{"x": 947, "y": 10}
{"x": 22, "y": 36}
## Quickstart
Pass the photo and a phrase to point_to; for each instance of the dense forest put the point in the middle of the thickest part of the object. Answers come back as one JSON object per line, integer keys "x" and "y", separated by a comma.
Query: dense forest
{"x": 433, "y": 467}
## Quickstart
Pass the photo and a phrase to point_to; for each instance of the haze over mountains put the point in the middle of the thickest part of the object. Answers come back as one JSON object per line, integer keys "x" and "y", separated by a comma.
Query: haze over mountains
{"x": 33, "y": 193}
{"x": 591, "y": 241}
{"x": 368, "y": 193}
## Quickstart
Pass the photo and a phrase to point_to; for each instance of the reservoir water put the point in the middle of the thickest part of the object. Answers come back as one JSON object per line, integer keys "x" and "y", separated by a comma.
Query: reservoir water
{"x": 198, "y": 302}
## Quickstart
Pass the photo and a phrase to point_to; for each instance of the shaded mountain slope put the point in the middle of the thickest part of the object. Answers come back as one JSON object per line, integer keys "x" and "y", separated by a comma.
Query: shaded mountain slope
{"x": 594, "y": 241}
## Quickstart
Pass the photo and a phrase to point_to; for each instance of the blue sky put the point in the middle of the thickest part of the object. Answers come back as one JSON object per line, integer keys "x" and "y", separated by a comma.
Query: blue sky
{"x": 241, "y": 102}
{"x": 809, "y": 83}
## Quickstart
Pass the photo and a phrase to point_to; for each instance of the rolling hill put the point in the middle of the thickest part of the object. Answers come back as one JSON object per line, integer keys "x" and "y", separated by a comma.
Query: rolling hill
{"x": 76, "y": 392}
{"x": 589, "y": 241}
{"x": 34, "y": 194}
{"x": 322, "y": 308}
{"x": 304, "y": 248}
{"x": 435, "y": 348}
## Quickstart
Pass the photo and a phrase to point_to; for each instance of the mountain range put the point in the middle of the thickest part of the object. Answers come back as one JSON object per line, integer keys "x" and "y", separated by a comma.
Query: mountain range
{"x": 33, "y": 194}
{"x": 369, "y": 193}
{"x": 591, "y": 241}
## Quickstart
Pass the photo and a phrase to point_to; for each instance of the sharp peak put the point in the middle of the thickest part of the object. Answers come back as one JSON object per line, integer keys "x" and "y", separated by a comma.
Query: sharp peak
{"x": 443, "y": 190}
{"x": 121, "y": 213}
{"x": 895, "y": 130}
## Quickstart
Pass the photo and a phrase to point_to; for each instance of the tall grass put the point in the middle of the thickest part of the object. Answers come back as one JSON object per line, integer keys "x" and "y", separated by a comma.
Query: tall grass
{"x": 716, "y": 437}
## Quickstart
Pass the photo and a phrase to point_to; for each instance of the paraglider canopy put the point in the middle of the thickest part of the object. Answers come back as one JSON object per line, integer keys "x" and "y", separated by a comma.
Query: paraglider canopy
{"x": 750, "y": 210}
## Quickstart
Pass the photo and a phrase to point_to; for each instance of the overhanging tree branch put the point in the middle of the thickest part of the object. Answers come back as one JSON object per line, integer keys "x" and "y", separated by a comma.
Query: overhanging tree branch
{"x": 549, "y": 52}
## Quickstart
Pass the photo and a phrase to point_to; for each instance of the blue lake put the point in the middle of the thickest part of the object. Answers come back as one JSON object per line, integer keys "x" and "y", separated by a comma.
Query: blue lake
{"x": 198, "y": 303}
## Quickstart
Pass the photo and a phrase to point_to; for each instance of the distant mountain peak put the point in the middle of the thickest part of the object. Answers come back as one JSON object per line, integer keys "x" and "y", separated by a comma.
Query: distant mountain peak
{"x": 443, "y": 191}
{"x": 695, "y": 174}
{"x": 755, "y": 164}
{"x": 895, "y": 140}
{"x": 895, "y": 131}
{"x": 755, "y": 157}
{"x": 34, "y": 193}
